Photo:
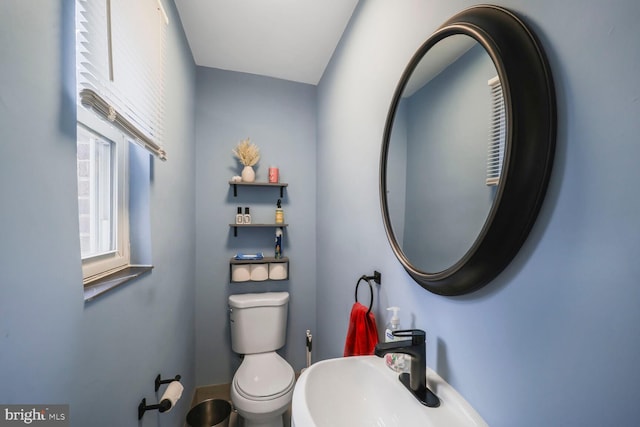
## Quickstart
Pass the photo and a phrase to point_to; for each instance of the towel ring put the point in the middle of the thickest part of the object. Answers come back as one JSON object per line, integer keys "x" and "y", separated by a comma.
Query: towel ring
{"x": 365, "y": 278}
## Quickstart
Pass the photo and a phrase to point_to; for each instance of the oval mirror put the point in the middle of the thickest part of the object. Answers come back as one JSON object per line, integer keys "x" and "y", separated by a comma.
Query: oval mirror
{"x": 467, "y": 150}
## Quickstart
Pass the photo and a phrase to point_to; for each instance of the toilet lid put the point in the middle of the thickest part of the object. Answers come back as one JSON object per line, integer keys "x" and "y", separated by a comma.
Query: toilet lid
{"x": 263, "y": 376}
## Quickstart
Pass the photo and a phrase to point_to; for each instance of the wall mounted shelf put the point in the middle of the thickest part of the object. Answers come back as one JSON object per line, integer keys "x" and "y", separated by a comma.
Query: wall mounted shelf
{"x": 259, "y": 270}
{"x": 236, "y": 226}
{"x": 280, "y": 185}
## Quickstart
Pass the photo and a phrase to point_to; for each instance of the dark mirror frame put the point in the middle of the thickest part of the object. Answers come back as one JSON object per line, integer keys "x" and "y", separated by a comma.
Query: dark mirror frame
{"x": 530, "y": 109}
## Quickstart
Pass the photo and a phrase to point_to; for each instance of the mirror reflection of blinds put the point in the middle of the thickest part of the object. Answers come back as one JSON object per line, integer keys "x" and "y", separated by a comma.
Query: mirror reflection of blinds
{"x": 120, "y": 71}
{"x": 495, "y": 157}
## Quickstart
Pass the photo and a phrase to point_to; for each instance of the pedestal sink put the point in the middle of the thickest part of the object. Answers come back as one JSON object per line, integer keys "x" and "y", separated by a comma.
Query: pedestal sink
{"x": 362, "y": 391}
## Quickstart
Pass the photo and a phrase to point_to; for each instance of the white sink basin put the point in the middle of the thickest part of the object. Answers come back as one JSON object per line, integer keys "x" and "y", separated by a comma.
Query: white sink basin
{"x": 363, "y": 391}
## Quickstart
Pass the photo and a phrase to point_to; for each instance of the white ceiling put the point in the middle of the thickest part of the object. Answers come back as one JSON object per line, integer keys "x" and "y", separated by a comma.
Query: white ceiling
{"x": 286, "y": 39}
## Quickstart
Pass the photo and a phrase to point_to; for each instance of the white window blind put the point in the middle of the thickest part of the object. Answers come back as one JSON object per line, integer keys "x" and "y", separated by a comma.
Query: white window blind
{"x": 495, "y": 157}
{"x": 121, "y": 51}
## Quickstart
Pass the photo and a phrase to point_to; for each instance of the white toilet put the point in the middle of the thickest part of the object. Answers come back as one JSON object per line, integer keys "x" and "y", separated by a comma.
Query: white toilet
{"x": 262, "y": 386}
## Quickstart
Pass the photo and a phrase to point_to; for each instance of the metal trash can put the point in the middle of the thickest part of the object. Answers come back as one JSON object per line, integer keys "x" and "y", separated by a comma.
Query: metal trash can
{"x": 210, "y": 413}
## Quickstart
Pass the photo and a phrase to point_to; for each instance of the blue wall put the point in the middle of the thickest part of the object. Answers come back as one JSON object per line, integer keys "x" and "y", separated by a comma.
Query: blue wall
{"x": 101, "y": 357}
{"x": 280, "y": 118}
{"x": 553, "y": 340}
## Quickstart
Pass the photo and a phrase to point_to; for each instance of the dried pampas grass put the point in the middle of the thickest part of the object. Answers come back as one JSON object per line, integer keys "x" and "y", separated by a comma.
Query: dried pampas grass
{"x": 247, "y": 153}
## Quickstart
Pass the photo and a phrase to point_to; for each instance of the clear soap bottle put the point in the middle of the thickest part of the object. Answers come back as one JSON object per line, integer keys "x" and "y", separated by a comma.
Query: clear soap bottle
{"x": 395, "y": 361}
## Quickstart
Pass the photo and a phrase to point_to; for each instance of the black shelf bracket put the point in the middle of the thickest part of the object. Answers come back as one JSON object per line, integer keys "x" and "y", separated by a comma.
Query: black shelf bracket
{"x": 235, "y": 184}
{"x": 236, "y": 226}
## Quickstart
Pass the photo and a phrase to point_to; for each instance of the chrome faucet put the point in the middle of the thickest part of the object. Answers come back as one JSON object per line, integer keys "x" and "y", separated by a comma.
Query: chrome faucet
{"x": 415, "y": 347}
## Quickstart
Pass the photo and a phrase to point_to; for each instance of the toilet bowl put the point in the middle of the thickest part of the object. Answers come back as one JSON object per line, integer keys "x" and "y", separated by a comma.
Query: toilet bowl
{"x": 262, "y": 387}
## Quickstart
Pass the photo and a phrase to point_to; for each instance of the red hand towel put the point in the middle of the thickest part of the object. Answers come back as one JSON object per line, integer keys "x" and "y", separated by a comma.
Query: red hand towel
{"x": 362, "y": 335}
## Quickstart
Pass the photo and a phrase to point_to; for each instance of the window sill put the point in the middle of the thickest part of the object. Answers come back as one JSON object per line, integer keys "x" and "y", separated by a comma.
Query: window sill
{"x": 104, "y": 284}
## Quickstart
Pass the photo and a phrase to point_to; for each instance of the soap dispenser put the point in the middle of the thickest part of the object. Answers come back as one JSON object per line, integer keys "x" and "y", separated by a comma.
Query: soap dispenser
{"x": 239, "y": 216}
{"x": 279, "y": 213}
{"x": 395, "y": 361}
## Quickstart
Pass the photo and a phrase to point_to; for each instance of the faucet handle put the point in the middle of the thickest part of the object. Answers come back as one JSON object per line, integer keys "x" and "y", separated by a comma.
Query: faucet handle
{"x": 417, "y": 336}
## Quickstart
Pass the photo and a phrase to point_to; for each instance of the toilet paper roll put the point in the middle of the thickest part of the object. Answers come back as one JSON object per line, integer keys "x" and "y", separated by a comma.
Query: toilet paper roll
{"x": 241, "y": 273}
{"x": 278, "y": 270}
{"x": 172, "y": 393}
{"x": 259, "y": 272}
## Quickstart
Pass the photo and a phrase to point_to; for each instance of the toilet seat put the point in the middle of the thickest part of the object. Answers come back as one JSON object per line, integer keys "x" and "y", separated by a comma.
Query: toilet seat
{"x": 264, "y": 376}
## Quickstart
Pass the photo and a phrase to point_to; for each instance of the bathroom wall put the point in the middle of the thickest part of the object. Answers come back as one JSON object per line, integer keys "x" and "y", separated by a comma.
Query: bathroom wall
{"x": 101, "y": 358}
{"x": 553, "y": 340}
{"x": 280, "y": 118}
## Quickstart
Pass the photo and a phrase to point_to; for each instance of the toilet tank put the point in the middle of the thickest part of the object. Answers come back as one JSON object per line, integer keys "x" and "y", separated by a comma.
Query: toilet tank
{"x": 258, "y": 321}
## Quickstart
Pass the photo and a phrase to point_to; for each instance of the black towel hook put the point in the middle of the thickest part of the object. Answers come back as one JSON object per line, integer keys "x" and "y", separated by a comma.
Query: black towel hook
{"x": 376, "y": 278}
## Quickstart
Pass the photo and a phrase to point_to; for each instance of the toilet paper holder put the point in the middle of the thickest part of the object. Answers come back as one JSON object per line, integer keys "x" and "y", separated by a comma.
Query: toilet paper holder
{"x": 161, "y": 381}
{"x": 164, "y": 405}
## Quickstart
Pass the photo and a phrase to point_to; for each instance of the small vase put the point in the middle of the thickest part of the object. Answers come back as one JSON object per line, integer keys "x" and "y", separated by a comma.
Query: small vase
{"x": 248, "y": 174}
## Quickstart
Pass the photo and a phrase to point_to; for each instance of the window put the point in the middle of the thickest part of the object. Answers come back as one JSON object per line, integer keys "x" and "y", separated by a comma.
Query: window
{"x": 96, "y": 191}
{"x": 120, "y": 73}
{"x": 102, "y": 199}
